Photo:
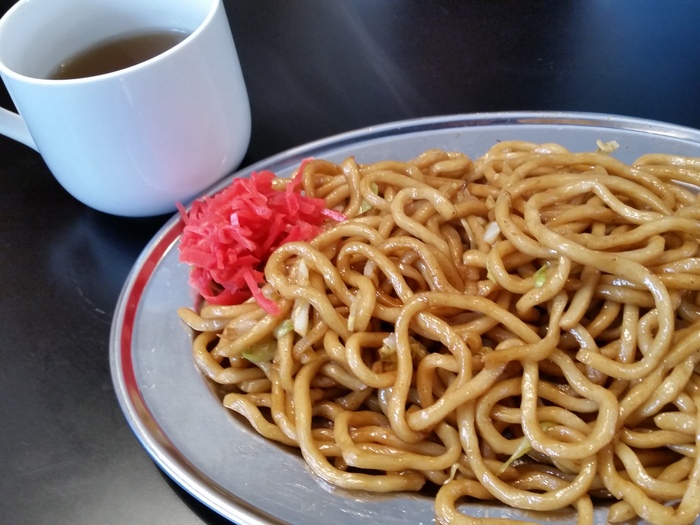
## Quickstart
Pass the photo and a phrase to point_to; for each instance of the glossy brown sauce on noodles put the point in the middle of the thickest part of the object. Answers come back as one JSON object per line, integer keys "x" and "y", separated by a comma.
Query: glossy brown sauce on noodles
{"x": 523, "y": 327}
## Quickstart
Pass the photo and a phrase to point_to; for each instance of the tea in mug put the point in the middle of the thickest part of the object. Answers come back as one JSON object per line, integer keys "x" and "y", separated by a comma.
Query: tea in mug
{"x": 119, "y": 53}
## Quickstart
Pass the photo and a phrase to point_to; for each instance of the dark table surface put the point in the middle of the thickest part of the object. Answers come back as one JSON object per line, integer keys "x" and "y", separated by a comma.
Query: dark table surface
{"x": 313, "y": 69}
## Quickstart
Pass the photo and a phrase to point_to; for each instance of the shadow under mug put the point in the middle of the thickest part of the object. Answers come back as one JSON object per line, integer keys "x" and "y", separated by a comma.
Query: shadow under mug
{"x": 136, "y": 141}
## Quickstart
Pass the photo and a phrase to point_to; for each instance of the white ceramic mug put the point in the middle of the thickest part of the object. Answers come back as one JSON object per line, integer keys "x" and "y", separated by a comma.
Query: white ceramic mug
{"x": 136, "y": 141}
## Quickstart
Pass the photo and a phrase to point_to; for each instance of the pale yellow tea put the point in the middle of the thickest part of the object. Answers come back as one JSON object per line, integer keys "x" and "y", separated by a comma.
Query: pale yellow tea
{"x": 119, "y": 53}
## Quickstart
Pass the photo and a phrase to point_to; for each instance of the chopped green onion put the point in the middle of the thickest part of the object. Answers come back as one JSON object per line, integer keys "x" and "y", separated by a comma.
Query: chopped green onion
{"x": 283, "y": 328}
{"x": 261, "y": 352}
{"x": 540, "y": 276}
{"x": 366, "y": 206}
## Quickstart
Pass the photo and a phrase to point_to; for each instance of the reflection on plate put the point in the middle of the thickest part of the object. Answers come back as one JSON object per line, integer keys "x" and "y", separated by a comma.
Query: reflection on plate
{"x": 219, "y": 458}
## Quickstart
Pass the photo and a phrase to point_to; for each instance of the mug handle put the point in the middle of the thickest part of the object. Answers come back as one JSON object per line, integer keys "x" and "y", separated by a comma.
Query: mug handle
{"x": 12, "y": 125}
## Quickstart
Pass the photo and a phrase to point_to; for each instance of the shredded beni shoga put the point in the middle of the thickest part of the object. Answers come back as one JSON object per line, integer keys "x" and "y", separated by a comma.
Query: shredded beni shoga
{"x": 228, "y": 237}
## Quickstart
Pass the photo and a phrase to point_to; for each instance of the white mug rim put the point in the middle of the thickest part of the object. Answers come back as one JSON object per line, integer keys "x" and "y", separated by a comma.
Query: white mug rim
{"x": 11, "y": 73}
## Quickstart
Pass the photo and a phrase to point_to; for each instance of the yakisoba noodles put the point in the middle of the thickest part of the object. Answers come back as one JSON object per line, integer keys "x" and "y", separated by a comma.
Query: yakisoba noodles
{"x": 524, "y": 327}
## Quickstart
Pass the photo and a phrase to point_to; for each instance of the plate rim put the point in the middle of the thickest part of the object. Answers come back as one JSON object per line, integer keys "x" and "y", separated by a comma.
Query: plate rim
{"x": 498, "y": 118}
{"x": 131, "y": 401}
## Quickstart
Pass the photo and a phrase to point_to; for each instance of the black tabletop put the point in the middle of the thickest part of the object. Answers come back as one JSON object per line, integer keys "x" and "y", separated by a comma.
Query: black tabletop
{"x": 313, "y": 68}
